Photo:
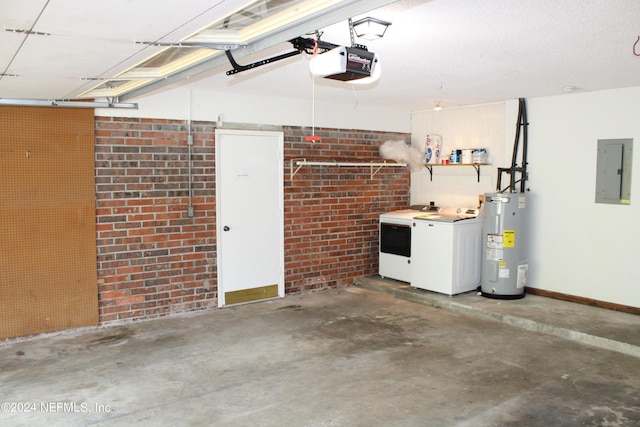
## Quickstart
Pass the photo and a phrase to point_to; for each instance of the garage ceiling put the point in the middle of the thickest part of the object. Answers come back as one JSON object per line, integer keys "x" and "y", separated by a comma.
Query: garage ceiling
{"x": 458, "y": 52}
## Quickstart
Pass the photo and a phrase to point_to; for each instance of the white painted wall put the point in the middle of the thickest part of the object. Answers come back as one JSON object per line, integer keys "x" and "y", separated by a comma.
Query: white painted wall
{"x": 575, "y": 246}
{"x": 481, "y": 126}
{"x": 208, "y": 105}
{"x": 579, "y": 247}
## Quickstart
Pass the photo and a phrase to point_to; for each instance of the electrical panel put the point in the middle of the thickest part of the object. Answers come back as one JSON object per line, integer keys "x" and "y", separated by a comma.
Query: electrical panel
{"x": 613, "y": 176}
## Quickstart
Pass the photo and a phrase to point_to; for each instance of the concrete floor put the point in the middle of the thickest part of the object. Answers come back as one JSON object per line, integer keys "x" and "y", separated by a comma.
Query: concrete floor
{"x": 341, "y": 357}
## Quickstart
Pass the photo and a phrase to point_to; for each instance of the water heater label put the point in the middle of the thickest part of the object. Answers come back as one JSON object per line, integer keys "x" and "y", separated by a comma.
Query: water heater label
{"x": 499, "y": 199}
{"x": 522, "y": 275}
{"x": 494, "y": 254}
{"x": 494, "y": 247}
{"x": 509, "y": 238}
{"x": 494, "y": 240}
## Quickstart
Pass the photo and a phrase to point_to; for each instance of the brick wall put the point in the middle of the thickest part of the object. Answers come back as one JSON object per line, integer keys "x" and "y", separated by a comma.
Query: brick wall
{"x": 331, "y": 213}
{"x": 153, "y": 259}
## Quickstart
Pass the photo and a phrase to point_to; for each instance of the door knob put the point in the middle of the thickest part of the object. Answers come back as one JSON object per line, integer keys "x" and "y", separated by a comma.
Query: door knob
{"x": 226, "y": 228}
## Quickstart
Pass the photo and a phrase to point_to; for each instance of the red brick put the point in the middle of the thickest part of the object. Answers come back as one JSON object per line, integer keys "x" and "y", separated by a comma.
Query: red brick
{"x": 129, "y": 300}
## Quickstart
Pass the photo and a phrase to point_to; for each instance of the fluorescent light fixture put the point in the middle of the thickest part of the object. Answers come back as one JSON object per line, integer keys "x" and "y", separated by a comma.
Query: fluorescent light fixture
{"x": 370, "y": 28}
{"x": 254, "y": 21}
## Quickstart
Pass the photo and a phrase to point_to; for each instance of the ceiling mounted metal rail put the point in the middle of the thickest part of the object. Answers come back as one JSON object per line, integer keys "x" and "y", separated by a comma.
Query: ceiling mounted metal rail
{"x": 300, "y": 45}
{"x": 69, "y": 104}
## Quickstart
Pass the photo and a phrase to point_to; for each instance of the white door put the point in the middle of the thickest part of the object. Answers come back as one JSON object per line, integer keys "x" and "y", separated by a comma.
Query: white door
{"x": 249, "y": 211}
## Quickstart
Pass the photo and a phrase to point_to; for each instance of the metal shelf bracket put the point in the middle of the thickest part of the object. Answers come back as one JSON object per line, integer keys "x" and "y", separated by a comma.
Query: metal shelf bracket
{"x": 477, "y": 168}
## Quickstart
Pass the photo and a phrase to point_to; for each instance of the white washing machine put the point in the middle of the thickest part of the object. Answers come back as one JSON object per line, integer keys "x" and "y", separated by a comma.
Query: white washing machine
{"x": 446, "y": 251}
{"x": 395, "y": 244}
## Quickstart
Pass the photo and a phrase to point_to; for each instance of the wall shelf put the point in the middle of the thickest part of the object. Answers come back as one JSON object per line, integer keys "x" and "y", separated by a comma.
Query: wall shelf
{"x": 375, "y": 166}
{"x": 476, "y": 166}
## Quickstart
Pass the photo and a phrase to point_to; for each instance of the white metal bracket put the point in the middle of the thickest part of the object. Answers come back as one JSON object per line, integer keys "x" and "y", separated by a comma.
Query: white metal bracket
{"x": 375, "y": 166}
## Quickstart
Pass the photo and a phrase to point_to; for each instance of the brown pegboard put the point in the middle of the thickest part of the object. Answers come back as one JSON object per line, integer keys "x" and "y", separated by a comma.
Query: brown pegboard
{"x": 48, "y": 278}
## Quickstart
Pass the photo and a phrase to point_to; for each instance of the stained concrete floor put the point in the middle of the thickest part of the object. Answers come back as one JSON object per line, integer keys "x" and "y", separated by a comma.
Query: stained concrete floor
{"x": 340, "y": 357}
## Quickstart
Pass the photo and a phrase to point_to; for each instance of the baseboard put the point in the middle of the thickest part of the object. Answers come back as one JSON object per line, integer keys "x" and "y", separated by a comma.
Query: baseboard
{"x": 586, "y": 301}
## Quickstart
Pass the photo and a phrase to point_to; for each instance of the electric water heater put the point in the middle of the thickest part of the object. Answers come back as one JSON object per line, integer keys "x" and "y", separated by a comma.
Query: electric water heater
{"x": 504, "y": 260}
